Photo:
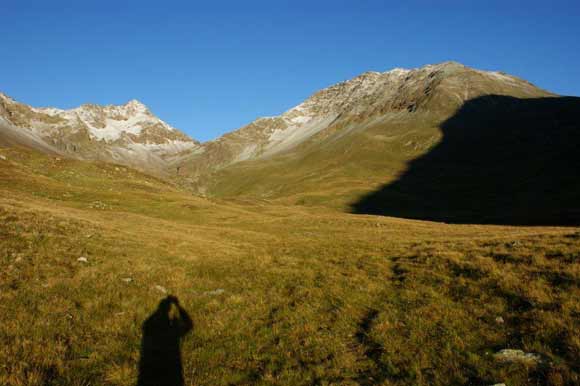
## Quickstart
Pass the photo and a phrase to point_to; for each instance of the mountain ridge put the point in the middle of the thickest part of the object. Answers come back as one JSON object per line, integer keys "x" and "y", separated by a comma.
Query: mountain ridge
{"x": 394, "y": 115}
{"x": 129, "y": 134}
{"x": 368, "y": 94}
{"x": 368, "y": 110}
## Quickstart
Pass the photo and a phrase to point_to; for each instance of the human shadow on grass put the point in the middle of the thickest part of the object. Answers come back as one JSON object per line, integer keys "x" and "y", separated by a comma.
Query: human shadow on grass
{"x": 502, "y": 160}
{"x": 160, "y": 363}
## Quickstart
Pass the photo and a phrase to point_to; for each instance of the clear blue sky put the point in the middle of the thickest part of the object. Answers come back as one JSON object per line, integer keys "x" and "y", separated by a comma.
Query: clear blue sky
{"x": 208, "y": 67}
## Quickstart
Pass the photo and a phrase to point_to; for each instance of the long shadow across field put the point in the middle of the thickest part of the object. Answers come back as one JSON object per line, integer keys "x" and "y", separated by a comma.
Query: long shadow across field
{"x": 502, "y": 160}
{"x": 160, "y": 362}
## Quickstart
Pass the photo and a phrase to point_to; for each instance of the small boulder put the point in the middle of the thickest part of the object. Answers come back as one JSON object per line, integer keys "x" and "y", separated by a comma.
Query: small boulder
{"x": 83, "y": 259}
{"x": 499, "y": 320}
{"x": 127, "y": 279}
{"x": 510, "y": 355}
{"x": 161, "y": 289}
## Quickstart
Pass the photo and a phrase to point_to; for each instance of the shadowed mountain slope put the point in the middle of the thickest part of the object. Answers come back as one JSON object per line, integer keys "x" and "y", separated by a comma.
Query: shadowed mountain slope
{"x": 501, "y": 160}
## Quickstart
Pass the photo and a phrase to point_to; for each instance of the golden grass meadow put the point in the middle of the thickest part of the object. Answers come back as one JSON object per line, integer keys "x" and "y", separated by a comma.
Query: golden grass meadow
{"x": 277, "y": 294}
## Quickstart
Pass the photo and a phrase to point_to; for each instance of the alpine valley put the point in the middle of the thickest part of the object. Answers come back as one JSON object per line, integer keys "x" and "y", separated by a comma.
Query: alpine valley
{"x": 439, "y": 131}
{"x": 409, "y": 227}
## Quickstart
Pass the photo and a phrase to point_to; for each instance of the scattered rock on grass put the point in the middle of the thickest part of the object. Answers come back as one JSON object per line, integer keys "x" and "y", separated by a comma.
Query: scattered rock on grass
{"x": 99, "y": 205}
{"x": 3, "y": 158}
{"x": 127, "y": 279}
{"x": 499, "y": 320}
{"x": 161, "y": 289}
{"x": 83, "y": 259}
{"x": 510, "y": 355}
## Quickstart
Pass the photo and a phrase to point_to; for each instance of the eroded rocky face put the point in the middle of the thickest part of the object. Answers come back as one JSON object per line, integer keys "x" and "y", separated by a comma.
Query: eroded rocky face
{"x": 128, "y": 133}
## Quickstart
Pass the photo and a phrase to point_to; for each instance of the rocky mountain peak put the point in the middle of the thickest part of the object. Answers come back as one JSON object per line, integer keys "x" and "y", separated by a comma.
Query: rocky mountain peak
{"x": 134, "y": 103}
{"x": 129, "y": 133}
{"x": 97, "y": 114}
{"x": 135, "y": 107}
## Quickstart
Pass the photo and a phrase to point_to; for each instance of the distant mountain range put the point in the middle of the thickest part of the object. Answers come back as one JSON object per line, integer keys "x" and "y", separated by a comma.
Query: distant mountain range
{"x": 129, "y": 134}
{"x": 347, "y": 141}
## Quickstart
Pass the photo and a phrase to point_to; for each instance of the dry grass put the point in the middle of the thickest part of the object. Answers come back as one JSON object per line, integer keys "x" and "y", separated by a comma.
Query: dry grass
{"x": 310, "y": 296}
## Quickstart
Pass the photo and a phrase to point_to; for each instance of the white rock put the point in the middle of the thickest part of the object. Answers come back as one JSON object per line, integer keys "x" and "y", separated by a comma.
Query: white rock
{"x": 82, "y": 259}
{"x": 161, "y": 289}
{"x": 510, "y": 355}
{"x": 127, "y": 279}
{"x": 2, "y": 157}
{"x": 499, "y": 320}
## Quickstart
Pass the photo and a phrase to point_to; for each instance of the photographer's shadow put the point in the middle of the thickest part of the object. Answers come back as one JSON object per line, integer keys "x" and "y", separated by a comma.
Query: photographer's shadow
{"x": 160, "y": 363}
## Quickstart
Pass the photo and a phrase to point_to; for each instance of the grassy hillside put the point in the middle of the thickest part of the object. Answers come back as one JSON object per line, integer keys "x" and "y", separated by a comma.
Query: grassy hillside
{"x": 277, "y": 294}
{"x": 334, "y": 167}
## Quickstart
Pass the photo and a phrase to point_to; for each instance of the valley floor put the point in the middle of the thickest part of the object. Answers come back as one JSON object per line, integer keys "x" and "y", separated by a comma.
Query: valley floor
{"x": 281, "y": 295}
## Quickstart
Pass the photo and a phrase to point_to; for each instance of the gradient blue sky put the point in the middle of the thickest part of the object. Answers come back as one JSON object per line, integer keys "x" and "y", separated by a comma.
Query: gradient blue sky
{"x": 211, "y": 67}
